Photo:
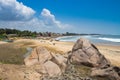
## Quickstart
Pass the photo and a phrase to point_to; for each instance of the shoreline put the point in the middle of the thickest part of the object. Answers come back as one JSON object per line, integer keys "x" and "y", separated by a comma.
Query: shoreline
{"x": 103, "y": 44}
{"x": 100, "y": 39}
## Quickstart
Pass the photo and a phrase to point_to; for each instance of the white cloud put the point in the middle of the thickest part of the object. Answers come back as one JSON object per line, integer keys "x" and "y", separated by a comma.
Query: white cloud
{"x": 14, "y": 10}
{"x": 19, "y": 17}
{"x": 49, "y": 19}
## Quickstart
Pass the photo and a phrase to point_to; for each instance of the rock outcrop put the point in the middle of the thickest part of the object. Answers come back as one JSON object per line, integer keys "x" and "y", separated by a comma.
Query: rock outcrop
{"x": 87, "y": 54}
{"x": 38, "y": 55}
{"x": 108, "y": 73}
{"x": 52, "y": 64}
{"x": 60, "y": 60}
{"x": 52, "y": 69}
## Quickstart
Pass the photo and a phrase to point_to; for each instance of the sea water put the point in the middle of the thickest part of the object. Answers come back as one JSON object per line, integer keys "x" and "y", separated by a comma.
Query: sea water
{"x": 97, "y": 39}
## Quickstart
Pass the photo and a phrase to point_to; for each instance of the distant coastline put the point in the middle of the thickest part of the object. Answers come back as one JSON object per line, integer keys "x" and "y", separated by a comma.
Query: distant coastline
{"x": 95, "y": 38}
{"x": 13, "y": 34}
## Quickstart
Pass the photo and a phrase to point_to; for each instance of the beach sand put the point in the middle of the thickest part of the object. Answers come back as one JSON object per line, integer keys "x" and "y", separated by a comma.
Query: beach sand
{"x": 112, "y": 53}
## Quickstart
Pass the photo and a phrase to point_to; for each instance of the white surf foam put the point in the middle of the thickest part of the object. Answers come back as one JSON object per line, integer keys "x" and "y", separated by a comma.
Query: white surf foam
{"x": 71, "y": 38}
{"x": 110, "y": 39}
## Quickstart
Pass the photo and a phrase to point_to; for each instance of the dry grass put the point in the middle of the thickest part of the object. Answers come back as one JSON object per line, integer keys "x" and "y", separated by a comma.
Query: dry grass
{"x": 10, "y": 53}
{"x": 53, "y": 50}
{"x": 24, "y": 43}
{"x": 84, "y": 70}
{"x": 13, "y": 52}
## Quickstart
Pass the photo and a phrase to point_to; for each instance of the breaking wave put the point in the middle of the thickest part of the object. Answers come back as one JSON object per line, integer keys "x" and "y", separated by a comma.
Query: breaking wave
{"x": 111, "y": 39}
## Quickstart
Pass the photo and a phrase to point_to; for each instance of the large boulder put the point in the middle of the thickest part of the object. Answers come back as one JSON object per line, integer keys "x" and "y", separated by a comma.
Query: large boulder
{"x": 52, "y": 69}
{"x": 38, "y": 55}
{"x": 51, "y": 64}
{"x": 43, "y": 54}
{"x": 85, "y": 53}
{"x": 60, "y": 61}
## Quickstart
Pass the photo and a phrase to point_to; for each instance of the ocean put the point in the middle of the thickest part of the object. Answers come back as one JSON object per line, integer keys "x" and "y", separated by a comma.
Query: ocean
{"x": 96, "y": 39}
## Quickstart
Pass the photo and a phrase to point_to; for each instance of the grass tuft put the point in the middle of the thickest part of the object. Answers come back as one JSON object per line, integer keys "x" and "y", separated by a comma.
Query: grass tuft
{"x": 10, "y": 53}
{"x": 53, "y": 50}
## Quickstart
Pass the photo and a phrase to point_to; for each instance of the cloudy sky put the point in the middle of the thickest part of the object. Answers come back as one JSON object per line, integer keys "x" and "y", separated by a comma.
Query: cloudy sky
{"x": 80, "y": 16}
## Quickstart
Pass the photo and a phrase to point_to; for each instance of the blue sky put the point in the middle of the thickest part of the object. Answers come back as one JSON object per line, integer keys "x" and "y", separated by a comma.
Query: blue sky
{"x": 80, "y": 16}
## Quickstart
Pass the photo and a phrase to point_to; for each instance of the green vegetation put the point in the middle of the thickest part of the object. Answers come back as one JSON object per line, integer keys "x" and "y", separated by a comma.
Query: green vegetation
{"x": 3, "y": 36}
{"x": 17, "y": 33}
{"x": 8, "y": 33}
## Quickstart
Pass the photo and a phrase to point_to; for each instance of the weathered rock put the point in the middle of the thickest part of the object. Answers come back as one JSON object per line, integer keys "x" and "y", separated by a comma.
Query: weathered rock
{"x": 52, "y": 64}
{"x": 59, "y": 60}
{"x": 85, "y": 53}
{"x": 31, "y": 58}
{"x": 52, "y": 69}
{"x": 40, "y": 69}
{"x": 43, "y": 54}
{"x": 38, "y": 55}
{"x": 81, "y": 43}
{"x": 117, "y": 69}
{"x": 108, "y": 73}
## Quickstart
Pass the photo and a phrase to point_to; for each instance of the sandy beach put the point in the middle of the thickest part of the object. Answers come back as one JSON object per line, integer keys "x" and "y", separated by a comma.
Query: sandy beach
{"x": 112, "y": 53}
